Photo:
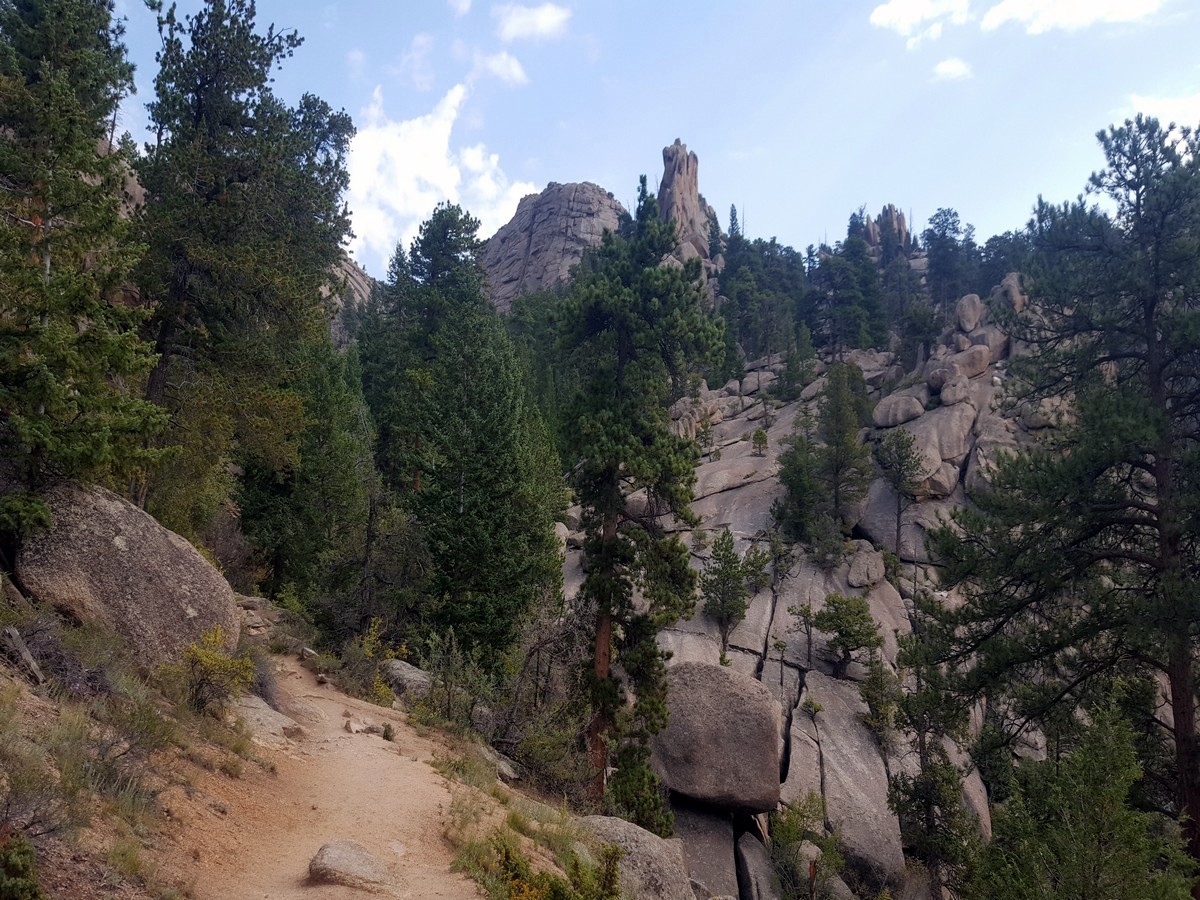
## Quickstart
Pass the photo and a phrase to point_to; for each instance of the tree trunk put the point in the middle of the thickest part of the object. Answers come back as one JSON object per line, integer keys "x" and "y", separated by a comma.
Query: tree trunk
{"x": 1187, "y": 747}
{"x": 597, "y": 755}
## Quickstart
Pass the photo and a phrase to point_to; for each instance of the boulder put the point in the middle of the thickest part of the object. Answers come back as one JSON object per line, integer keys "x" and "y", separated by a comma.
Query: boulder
{"x": 1009, "y": 291}
{"x": 866, "y": 568}
{"x": 105, "y": 562}
{"x": 855, "y": 781}
{"x": 942, "y": 435}
{"x": 407, "y": 682}
{"x": 267, "y": 726}
{"x": 651, "y": 868}
{"x": 896, "y": 409}
{"x": 708, "y": 850}
{"x": 349, "y": 864}
{"x": 994, "y": 339}
{"x": 970, "y": 312}
{"x": 956, "y": 390}
{"x": 758, "y": 381}
{"x": 970, "y": 362}
{"x": 755, "y": 872}
{"x": 722, "y": 742}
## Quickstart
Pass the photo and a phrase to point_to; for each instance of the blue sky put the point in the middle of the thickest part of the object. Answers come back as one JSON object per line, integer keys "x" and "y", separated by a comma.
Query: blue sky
{"x": 799, "y": 110}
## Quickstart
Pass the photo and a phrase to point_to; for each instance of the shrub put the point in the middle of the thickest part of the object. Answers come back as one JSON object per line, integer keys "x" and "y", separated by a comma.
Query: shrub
{"x": 211, "y": 677}
{"x": 792, "y": 827}
{"x": 18, "y": 872}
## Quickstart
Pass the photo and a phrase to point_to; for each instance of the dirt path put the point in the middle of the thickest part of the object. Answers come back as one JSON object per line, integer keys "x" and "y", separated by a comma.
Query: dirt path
{"x": 253, "y": 837}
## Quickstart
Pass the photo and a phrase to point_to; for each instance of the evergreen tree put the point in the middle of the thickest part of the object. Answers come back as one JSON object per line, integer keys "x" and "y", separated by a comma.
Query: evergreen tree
{"x": 727, "y": 581}
{"x": 1083, "y": 563}
{"x": 851, "y": 627}
{"x": 1069, "y": 831}
{"x": 845, "y": 463}
{"x": 70, "y": 356}
{"x": 953, "y": 259}
{"x": 244, "y": 221}
{"x": 901, "y": 463}
{"x": 636, "y": 327}
{"x": 460, "y": 442}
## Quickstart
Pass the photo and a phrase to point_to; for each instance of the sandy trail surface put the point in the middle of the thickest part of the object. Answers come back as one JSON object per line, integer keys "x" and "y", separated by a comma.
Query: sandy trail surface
{"x": 253, "y": 837}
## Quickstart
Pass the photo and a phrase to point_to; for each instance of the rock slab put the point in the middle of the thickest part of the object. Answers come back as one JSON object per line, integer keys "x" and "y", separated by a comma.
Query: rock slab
{"x": 105, "y": 562}
{"x": 347, "y": 863}
{"x": 722, "y": 741}
{"x": 651, "y": 867}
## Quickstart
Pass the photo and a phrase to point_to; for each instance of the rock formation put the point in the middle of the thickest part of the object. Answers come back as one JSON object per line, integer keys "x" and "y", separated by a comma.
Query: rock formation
{"x": 679, "y": 201}
{"x": 950, "y": 404}
{"x": 355, "y": 292}
{"x": 105, "y": 562}
{"x": 546, "y": 238}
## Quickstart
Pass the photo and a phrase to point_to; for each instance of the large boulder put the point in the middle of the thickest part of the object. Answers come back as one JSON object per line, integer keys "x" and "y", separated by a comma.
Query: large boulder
{"x": 407, "y": 682}
{"x": 105, "y": 562}
{"x": 896, "y": 410}
{"x": 970, "y": 312}
{"x": 722, "y": 740}
{"x": 347, "y": 863}
{"x": 943, "y": 435}
{"x": 651, "y": 868}
{"x": 970, "y": 362}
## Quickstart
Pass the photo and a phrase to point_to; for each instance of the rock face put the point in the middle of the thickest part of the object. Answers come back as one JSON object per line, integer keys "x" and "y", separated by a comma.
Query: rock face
{"x": 105, "y": 562}
{"x": 355, "y": 291}
{"x": 651, "y": 868}
{"x": 734, "y": 766}
{"x": 679, "y": 199}
{"x": 548, "y": 235}
{"x": 755, "y": 872}
{"x": 707, "y": 850}
{"x": 349, "y": 864}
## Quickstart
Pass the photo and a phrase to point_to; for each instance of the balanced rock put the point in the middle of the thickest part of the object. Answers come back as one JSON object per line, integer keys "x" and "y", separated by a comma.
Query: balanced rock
{"x": 896, "y": 410}
{"x": 347, "y": 863}
{"x": 970, "y": 312}
{"x": 651, "y": 868}
{"x": 722, "y": 741}
{"x": 105, "y": 562}
{"x": 545, "y": 238}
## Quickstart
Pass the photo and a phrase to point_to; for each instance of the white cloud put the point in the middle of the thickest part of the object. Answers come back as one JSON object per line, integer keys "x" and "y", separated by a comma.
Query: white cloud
{"x": 517, "y": 22}
{"x": 414, "y": 66}
{"x": 460, "y": 7}
{"x": 1180, "y": 110}
{"x": 906, "y": 17}
{"x": 356, "y": 63}
{"x": 932, "y": 33}
{"x": 502, "y": 65}
{"x": 952, "y": 69}
{"x": 400, "y": 170}
{"x": 1040, "y": 16}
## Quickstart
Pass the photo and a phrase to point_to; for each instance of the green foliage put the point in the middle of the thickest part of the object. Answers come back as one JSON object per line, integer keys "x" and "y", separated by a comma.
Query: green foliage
{"x": 953, "y": 259}
{"x": 18, "y": 868}
{"x": 727, "y": 581}
{"x": 1080, "y": 565}
{"x": 901, "y": 464}
{"x": 791, "y": 827}
{"x": 881, "y": 691}
{"x": 70, "y": 356}
{"x": 636, "y": 328}
{"x": 851, "y": 627}
{"x": 1069, "y": 831}
{"x": 460, "y": 442}
{"x": 459, "y": 681}
{"x": 759, "y": 442}
{"x": 211, "y": 678}
{"x": 504, "y": 871}
{"x": 243, "y": 221}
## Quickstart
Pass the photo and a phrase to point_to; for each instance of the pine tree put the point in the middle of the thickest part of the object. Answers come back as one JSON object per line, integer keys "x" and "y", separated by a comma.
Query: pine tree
{"x": 851, "y": 627}
{"x": 845, "y": 463}
{"x": 70, "y": 356}
{"x": 1082, "y": 563}
{"x": 727, "y": 581}
{"x": 1070, "y": 832}
{"x": 636, "y": 326}
{"x": 901, "y": 464}
{"x": 244, "y": 221}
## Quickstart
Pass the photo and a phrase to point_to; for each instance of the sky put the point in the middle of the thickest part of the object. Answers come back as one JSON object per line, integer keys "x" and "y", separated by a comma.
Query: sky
{"x": 800, "y": 111}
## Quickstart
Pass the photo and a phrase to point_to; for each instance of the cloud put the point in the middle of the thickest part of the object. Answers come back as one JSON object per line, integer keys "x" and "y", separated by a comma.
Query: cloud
{"x": 906, "y": 17}
{"x": 460, "y": 7}
{"x": 932, "y": 33}
{"x": 1183, "y": 110}
{"x": 400, "y": 170}
{"x": 952, "y": 69}
{"x": 518, "y": 22}
{"x": 1040, "y": 16}
{"x": 414, "y": 66}
{"x": 502, "y": 65}
{"x": 356, "y": 63}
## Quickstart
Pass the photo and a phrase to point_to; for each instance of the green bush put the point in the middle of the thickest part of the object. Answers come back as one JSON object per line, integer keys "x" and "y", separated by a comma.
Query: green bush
{"x": 209, "y": 677}
{"x": 18, "y": 872}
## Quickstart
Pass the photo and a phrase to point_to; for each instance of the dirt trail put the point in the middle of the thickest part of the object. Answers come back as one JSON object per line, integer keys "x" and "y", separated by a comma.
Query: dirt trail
{"x": 252, "y": 838}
